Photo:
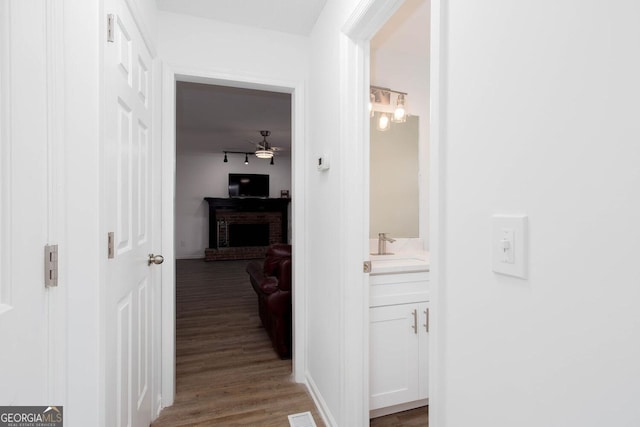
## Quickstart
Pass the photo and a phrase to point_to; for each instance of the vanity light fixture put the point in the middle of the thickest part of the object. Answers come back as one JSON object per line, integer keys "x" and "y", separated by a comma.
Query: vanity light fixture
{"x": 384, "y": 110}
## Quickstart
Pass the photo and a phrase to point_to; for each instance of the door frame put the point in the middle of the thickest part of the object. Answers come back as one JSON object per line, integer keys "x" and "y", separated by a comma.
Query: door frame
{"x": 368, "y": 17}
{"x": 170, "y": 75}
{"x": 54, "y": 302}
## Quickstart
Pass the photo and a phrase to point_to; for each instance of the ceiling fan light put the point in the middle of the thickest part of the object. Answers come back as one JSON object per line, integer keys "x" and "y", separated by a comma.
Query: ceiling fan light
{"x": 264, "y": 154}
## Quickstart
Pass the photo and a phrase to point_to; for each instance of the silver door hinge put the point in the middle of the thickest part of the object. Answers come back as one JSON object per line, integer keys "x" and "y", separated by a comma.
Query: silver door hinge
{"x": 110, "y": 243}
{"x": 366, "y": 267}
{"x": 110, "y": 22}
{"x": 51, "y": 266}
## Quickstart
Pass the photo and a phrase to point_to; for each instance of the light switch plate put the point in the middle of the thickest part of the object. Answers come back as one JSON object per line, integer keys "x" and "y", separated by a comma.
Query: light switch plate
{"x": 509, "y": 243}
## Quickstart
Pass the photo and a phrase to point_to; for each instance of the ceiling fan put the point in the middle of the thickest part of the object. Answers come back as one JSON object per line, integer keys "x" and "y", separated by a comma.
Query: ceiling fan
{"x": 264, "y": 150}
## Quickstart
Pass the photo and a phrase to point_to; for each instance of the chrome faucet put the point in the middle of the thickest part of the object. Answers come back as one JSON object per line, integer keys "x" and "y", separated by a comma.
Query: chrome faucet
{"x": 382, "y": 243}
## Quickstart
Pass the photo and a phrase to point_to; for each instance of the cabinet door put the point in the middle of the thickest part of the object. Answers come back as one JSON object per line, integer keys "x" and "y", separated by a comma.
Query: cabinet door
{"x": 394, "y": 354}
{"x": 423, "y": 311}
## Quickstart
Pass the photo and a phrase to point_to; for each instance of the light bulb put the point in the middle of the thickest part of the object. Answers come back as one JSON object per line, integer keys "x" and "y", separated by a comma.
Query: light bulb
{"x": 400, "y": 113}
{"x": 372, "y": 99}
{"x": 383, "y": 122}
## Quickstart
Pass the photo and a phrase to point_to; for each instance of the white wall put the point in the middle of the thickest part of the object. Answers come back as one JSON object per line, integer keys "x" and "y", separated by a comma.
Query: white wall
{"x": 200, "y": 175}
{"x": 326, "y": 215}
{"x": 540, "y": 116}
{"x": 147, "y": 15}
{"x": 195, "y": 44}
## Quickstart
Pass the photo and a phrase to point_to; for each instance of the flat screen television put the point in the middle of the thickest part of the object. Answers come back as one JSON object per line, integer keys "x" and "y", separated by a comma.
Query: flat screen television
{"x": 248, "y": 185}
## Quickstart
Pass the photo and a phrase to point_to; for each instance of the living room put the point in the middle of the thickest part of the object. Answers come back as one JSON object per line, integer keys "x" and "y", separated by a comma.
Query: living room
{"x": 214, "y": 123}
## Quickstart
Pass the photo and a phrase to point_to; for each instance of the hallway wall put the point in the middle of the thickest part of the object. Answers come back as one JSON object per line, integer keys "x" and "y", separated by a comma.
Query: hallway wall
{"x": 199, "y": 44}
{"x": 540, "y": 117}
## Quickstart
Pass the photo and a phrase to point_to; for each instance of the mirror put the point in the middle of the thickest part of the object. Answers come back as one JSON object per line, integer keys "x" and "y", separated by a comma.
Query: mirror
{"x": 399, "y": 156}
{"x": 394, "y": 193}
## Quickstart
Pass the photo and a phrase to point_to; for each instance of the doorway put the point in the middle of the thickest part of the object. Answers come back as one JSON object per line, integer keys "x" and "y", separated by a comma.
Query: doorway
{"x": 359, "y": 29}
{"x": 398, "y": 146}
{"x": 171, "y": 78}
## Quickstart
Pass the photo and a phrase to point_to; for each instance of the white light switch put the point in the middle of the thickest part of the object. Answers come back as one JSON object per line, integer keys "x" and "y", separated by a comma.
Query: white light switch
{"x": 506, "y": 243}
{"x": 509, "y": 243}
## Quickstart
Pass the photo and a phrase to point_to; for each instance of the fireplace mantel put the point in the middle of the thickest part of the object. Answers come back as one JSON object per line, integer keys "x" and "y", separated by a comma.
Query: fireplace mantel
{"x": 218, "y": 206}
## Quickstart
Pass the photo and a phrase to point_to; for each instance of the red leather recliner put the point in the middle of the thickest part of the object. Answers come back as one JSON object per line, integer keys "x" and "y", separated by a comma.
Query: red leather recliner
{"x": 271, "y": 280}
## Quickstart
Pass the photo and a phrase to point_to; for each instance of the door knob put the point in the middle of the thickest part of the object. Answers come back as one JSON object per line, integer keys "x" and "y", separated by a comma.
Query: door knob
{"x": 155, "y": 259}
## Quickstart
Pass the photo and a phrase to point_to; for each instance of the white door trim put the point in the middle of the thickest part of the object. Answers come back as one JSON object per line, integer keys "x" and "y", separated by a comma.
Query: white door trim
{"x": 365, "y": 21}
{"x": 57, "y": 297}
{"x": 46, "y": 31}
{"x": 297, "y": 89}
{"x": 437, "y": 215}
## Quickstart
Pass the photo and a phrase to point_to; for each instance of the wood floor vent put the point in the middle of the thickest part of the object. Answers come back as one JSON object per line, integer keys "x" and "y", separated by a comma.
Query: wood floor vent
{"x": 303, "y": 419}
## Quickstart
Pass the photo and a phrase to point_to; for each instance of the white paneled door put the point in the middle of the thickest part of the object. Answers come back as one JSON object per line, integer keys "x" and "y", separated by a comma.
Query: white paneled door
{"x": 132, "y": 282}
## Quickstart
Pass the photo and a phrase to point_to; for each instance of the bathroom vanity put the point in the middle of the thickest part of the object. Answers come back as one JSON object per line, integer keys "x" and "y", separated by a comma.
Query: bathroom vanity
{"x": 398, "y": 332}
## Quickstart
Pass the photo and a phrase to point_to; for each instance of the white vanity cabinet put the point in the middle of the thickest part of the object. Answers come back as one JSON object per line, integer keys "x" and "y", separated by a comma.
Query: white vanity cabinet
{"x": 398, "y": 342}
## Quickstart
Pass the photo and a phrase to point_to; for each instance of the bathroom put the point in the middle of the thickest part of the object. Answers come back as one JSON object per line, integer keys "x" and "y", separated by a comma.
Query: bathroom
{"x": 399, "y": 206}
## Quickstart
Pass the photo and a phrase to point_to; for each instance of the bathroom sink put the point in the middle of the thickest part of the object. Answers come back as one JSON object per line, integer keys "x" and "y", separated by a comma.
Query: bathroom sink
{"x": 399, "y": 263}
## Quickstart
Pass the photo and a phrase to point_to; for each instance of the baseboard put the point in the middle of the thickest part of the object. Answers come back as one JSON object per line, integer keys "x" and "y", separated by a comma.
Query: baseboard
{"x": 189, "y": 257}
{"x": 381, "y": 412}
{"x": 158, "y": 406}
{"x": 321, "y": 405}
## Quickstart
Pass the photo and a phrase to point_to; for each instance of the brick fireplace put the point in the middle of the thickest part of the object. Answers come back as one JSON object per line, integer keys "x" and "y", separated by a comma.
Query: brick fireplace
{"x": 244, "y": 228}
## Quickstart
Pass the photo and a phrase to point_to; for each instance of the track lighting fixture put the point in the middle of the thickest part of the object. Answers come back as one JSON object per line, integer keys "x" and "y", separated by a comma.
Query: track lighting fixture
{"x": 246, "y": 156}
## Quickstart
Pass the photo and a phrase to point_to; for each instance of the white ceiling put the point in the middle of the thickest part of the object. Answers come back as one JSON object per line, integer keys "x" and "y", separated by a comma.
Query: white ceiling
{"x": 289, "y": 16}
{"x": 212, "y": 119}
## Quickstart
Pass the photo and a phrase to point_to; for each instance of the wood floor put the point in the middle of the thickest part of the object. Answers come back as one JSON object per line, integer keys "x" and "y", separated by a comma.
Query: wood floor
{"x": 414, "y": 418}
{"x": 227, "y": 373}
